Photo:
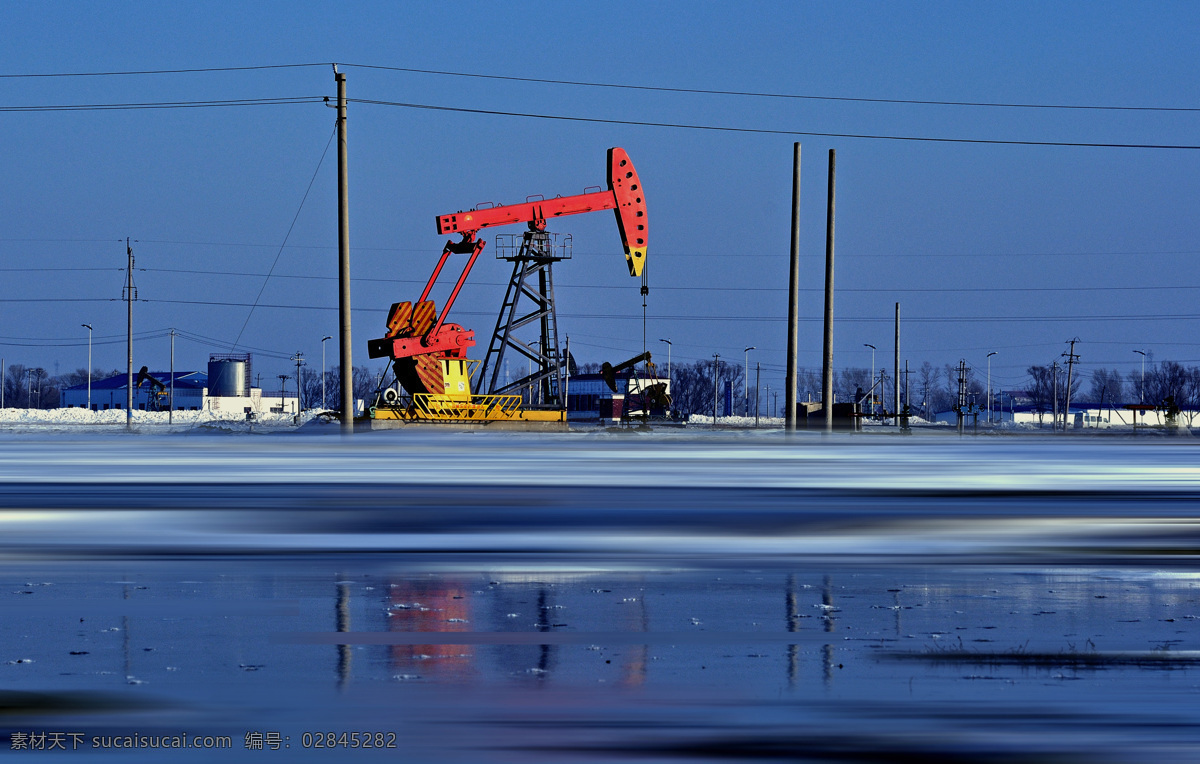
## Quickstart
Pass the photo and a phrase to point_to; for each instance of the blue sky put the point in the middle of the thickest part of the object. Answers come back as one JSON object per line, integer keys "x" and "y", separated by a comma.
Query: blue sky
{"x": 1006, "y": 248}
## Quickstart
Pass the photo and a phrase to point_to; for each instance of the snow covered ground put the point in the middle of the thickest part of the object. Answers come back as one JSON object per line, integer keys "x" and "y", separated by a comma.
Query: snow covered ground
{"x": 74, "y": 419}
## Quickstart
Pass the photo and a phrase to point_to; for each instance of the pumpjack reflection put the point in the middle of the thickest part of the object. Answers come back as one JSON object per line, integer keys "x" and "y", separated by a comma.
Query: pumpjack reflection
{"x": 502, "y": 623}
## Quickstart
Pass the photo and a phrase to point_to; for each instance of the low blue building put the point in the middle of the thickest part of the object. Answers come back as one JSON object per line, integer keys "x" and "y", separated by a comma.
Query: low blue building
{"x": 110, "y": 393}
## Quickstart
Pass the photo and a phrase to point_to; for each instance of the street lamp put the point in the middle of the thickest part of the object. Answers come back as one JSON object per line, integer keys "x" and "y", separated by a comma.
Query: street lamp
{"x": 716, "y": 385}
{"x": 1143, "y": 391}
{"x": 669, "y": 390}
{"x": 746, "y": 387}
{"x": 989, "y": 360}
{"x": 89, "y": 328}
{"x": 866, "y": 345}
{"x": 323, "y": 369}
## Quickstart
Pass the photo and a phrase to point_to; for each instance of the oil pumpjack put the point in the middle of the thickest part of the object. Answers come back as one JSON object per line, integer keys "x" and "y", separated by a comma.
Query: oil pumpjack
{"x": 436, "y": 382}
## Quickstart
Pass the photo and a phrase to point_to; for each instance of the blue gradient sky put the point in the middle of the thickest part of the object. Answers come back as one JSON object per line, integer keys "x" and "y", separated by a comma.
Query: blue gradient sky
{"x": 1005, "y": 248}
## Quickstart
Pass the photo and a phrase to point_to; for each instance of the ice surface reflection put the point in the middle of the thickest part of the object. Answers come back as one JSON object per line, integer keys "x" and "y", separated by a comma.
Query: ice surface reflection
{"x": 607, "y": 597}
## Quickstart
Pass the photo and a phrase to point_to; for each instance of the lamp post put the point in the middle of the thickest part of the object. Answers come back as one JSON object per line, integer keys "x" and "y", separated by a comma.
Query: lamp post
{"x": 867, "y": 345}
{"x": 1142, "y": 353}
{"x": 716, "y": 385}
{"x": 669, "y": 390}
{"x": 89, "y": 328}
{"x": 746, "y": 387}
{"x": 989, "y": 360}
{"x": 323, "y": 369}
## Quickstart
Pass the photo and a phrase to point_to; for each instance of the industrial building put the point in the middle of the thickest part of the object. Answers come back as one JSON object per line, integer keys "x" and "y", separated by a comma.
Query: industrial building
{"x": 191, "y": 387}
{"x": 225, "y": 388}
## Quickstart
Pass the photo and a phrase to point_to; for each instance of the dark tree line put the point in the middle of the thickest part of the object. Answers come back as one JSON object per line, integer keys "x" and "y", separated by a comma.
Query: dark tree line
{"x": 32, "y": 387}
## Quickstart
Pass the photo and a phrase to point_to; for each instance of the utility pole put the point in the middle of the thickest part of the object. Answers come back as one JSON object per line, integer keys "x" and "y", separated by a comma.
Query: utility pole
{"x": 171, "y": 400}
{"x": 299, "y": 359}
{"x": 89, "y": 402}
{"x": 282, "y": 391}
{"x": 716, "y": 383}
{"x": 1054, "y": 388}
{"x": 827, "y": 355}
{"x": 130, "y": 295}
{"x": 962, "y": 393}
{"x": 1071, "y": 360}
{"x": 323, "y": 339}
{"x": 1142, "y": 395}
{"x": 989, "y": 360}
{"x": 746, "y": 386}
{"x": 757, "y": 383}
{"x": 789, "y": 393}
{"x": 346, "y": 354}
{"x": 896, "y": 368}
{"x": 4, "y": 378}
{"x": 670, "y": 388}
{"x": 882, "y": 387}
{"x": 868, "y": 345}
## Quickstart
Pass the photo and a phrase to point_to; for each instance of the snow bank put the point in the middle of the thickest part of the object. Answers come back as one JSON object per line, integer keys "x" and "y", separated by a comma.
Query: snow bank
{"x": 42, "y": 420}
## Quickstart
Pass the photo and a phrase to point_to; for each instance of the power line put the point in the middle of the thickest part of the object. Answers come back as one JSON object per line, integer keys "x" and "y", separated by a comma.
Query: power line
{"x": 727, "y": 318}
{"x": 613, "y": 86}
{"x": 724, "y": 255}
{"x": 769, "y": 131}
{"x": 760, "y": 94}
{"x": 165, "y": 104}
{"x": 881, "y": 290}
{"x": 32, "y": 75}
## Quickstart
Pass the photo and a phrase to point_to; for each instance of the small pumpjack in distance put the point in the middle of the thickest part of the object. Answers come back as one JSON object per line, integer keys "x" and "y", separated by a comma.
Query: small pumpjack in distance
{"x": 646, "y": 398}
{"x": 435, "y": 381}
{"x": 158, "y": 391}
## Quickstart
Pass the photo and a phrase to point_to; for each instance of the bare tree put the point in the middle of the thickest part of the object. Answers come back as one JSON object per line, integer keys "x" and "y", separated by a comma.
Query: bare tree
{"x": 1106, "y": 386}
{"x": 927, "y": 385}
{"x": 1166, "y": 380}
{"x": 849, "y": 381}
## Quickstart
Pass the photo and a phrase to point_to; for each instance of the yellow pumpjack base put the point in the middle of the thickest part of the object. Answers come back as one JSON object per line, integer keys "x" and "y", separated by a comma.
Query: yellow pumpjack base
{"x": 457, "y": 406}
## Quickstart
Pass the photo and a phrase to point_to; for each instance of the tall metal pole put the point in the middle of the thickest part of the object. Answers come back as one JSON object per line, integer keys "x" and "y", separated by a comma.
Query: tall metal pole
{"x": 827, "y": 357}
{"x": 716, "y": 384}
{"x": 793, "y": 338}
{"x": 89, "y": 369}
{"x": 989, "y": 359}
{"x": 1142, "y": 395}
{"x": 299, "y": 359}
{"x": 746, "y": 387}
{"x": 896, "y": 369}
{"x": 4, "y": 377}
{"x": 867, "y": 345}
{"x": 1054, "y": 387}
{"x": 670, "y": 390}
{"x": 171, "y": 400}
{"x": 129, "y": 338}
{"x": 757, "y": 387}
{"x": 326, "y": 337}
{"x": 1071, "y": 358}
{"x": 347, "y": 357}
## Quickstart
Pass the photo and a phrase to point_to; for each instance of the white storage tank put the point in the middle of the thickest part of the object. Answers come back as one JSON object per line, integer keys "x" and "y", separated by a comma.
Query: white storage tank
{"x": 229, "y": 376}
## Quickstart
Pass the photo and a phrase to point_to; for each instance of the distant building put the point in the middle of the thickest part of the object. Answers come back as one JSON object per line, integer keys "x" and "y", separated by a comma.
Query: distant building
{"x": 191, "y": 387}
{"x": 1081, "y": 416}
{"x": 191, "y": 394}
